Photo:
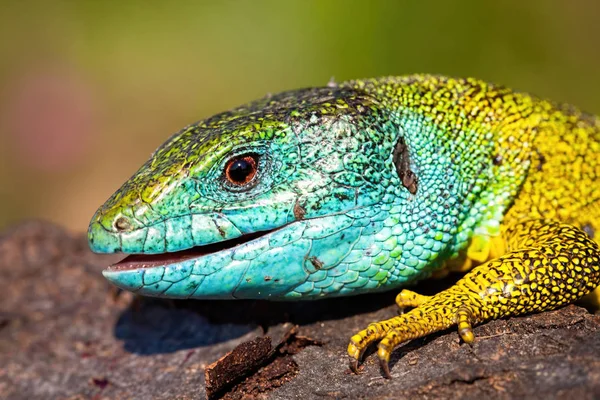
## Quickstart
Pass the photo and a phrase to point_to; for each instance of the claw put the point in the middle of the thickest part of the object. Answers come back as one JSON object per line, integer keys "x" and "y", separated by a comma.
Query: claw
{"x": 384, "y": 358}
{"x": 353, "y": 365}
{"x": 386, "y": 368}
{"x": 355, "y": 354}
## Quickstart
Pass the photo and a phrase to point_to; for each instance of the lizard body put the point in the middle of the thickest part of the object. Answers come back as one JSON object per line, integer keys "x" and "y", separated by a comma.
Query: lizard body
{"x": 364, "y": 186}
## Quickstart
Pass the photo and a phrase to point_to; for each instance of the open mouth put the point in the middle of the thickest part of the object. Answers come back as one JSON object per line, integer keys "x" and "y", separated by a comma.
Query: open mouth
{"x": 139, "y": 261}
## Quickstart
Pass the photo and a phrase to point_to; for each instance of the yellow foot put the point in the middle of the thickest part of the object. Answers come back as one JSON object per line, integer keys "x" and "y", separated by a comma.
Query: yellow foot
{"x": 409, "y": 299}
{"x": 360, "y": 342}
{"x": 432, "y": 313}
{"x": 464, "y": 322}
{"x": 551, "y": 265}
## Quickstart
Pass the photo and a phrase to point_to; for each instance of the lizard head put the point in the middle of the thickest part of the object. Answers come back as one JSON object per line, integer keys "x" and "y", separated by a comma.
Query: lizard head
{"x": 287, "y": 197}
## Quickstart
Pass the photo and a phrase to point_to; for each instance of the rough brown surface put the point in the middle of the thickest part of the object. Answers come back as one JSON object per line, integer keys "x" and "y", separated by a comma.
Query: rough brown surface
{"x": 65, "y": 334}
{"x": 240, "y": 362}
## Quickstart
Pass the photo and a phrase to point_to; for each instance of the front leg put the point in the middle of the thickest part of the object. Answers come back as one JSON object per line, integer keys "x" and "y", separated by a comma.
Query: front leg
{"x": 548, "y": 265}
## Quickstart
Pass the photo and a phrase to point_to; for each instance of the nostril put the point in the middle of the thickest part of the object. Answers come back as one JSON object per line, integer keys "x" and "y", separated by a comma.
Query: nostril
{"x": 122, "y": 224}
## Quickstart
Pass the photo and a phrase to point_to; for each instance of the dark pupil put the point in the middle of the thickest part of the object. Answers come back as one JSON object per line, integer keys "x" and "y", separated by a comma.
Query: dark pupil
{"x": 239, "y": 170}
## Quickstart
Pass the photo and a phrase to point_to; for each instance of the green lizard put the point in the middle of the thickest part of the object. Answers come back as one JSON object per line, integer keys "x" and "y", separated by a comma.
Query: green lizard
{"x": 366, "y": 186}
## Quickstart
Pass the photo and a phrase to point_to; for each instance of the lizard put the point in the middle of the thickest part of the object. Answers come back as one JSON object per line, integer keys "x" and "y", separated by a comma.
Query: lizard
{"x": 365, "y": 186}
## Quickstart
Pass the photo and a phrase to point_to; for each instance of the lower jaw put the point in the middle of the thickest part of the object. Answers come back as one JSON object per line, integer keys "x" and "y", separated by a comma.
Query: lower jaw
{"x": 204, "y": 272}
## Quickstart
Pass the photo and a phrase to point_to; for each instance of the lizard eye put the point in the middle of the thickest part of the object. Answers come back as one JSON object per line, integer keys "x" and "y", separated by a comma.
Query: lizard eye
{"x": 241, "y": 170}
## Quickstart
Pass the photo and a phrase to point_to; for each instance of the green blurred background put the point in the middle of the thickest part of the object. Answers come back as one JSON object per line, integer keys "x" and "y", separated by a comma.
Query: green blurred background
{"x": 88, "y": 89}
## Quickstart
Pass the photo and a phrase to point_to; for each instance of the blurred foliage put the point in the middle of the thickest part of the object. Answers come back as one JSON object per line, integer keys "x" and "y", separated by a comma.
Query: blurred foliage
{"x": 145, "y": 68}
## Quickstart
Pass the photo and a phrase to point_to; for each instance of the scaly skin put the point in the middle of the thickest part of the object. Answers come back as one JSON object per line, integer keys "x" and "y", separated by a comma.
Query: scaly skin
{"x": 367, "y": 186}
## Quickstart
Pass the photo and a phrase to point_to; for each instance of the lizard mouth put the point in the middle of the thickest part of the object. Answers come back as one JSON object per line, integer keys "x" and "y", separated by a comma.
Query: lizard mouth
{"x": 141, "y": 261}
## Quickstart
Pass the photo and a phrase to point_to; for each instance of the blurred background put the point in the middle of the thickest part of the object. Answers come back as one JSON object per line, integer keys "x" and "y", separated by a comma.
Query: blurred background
{"x": 88, "y": 89}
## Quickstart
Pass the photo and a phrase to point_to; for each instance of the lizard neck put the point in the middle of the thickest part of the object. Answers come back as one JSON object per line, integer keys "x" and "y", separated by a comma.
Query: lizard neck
{"x": 467, "y": 144}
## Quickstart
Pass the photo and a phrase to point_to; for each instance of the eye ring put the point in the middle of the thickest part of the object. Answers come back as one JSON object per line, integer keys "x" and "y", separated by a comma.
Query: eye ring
{"x": 241, "y": 170}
